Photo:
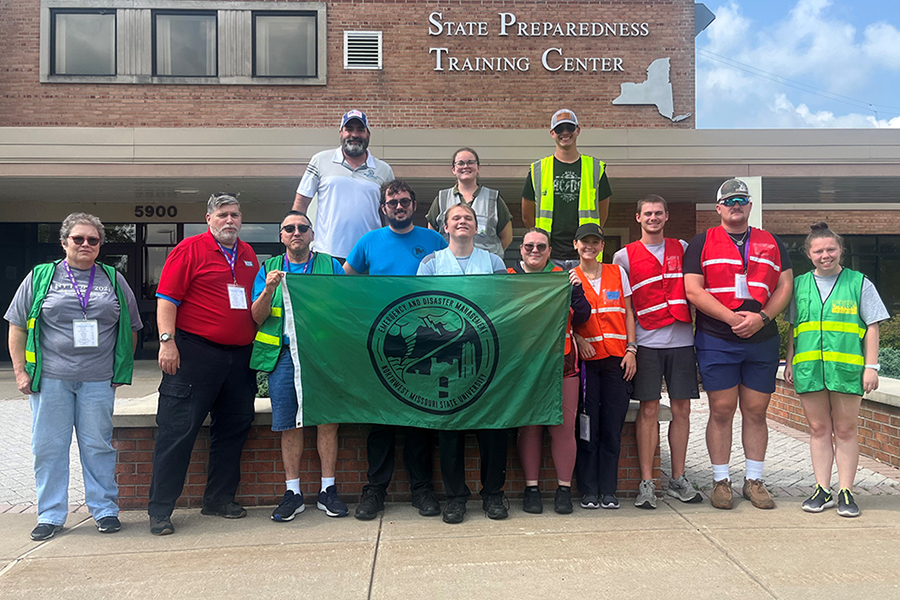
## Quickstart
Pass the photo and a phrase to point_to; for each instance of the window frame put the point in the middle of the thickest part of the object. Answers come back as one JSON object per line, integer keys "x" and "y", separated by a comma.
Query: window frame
{"x": 54, "y": 12}
{"x": 281, "y": 13}
{"x": 154, "y": 48}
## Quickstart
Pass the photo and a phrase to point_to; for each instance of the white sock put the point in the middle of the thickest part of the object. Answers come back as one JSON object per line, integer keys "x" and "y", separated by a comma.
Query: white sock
{"x": 293, "y": 485}
{"x": 327, "y": 482}
{"x": 720, "y": 472}
{"x": 754, "y": 469}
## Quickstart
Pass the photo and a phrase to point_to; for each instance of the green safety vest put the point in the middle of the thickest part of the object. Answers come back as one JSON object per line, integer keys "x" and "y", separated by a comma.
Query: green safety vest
{"x": 123, "y": 355}
{"x": 542, "y": 180}
{"x": 828, "y": 336}
{"x": 267, "y": 345}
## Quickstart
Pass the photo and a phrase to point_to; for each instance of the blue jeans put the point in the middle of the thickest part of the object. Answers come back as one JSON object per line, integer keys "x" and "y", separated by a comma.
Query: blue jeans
{"x": 56, "y": 409}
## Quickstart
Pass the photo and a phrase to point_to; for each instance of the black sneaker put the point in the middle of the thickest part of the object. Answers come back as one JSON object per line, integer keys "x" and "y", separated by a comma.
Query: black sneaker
{"x": 228, "y": 510}
{"x": 109, "y": 524}
{"x": 496, "y": 506}
{"x": 44, "y": 531}
{"x": 291, "y": 506}
{"x": 609, "y": 501}
{"x": 454, "y": 511}
{"x": 819, "y": 501}
{"x": 161, "y": 526}
{"x": 331, "y": 503}
{"x": 369, "y": 505}
{"x": 590, "y": 501}
{"x": 846, "y": 505}
{"x": 562, "y": 504}
{"x": 427, "y": 504}
{"x": 532, "y": 502}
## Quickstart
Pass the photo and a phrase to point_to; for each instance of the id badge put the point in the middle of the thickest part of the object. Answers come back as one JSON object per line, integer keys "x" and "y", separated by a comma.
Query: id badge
{"x": 85, "y": 333}
{"x": 741, "y": 291}
{"x": 584, "y": 426}
{"x": 237, "y": 297}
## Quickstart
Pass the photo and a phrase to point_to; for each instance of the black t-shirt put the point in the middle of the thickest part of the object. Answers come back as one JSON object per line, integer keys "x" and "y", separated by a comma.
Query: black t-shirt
{"x": 715, "y": 327}
{"x": 566, "y": 189}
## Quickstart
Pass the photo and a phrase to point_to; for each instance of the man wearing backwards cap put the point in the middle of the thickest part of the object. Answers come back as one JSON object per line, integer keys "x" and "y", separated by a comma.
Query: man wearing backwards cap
{"x": 347, "y": 181}
{"x": 565, "y": 190}
{"x": 739, "y": 278}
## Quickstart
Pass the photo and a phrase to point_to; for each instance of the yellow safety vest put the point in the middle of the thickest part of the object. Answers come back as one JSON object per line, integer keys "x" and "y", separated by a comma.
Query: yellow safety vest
{"x": 542, "y": 179}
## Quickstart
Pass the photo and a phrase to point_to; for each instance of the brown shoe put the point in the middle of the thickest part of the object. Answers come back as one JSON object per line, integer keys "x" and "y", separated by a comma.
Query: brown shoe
{"x": 757, "y": 494}
{"x": 721, "y": 495}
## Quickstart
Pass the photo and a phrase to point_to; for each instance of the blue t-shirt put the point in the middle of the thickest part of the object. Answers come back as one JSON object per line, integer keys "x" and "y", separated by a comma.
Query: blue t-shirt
{"x": 384, "y": 252}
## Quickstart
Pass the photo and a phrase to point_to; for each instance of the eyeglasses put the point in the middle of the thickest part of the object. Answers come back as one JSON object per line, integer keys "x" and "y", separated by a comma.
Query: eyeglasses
{"x": 404, "y": 202}
{"x": 291, "y": 228}
{"x": 729, "y": 202}
{"x": 465, "y": 163}
{"x": 565, "y": 127}
{"x": 80, "y": 239}
{"x": 530, "y": 247}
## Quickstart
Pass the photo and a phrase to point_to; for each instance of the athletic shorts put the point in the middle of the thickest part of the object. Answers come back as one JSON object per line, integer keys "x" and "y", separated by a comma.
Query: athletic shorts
{"x": 677, "y": 365}
{"x": 282, "y": 393}
{"x": 725, "y": 364}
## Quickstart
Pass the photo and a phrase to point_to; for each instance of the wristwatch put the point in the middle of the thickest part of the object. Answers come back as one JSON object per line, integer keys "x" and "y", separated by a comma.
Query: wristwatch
{"x": 765, "y": 318}
{"x": 165, "y": 337}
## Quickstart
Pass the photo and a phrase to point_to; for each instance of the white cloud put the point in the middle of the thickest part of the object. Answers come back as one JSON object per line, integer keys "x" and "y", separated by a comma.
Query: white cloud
{"x": 801, "y": 116}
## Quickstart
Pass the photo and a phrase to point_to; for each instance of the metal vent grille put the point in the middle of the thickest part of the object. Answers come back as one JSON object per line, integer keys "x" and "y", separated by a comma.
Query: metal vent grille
{"x": 362, "y": 49}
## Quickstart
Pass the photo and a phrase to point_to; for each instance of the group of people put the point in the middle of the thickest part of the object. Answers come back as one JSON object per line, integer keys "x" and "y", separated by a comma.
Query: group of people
{"x": 220, "y": 318}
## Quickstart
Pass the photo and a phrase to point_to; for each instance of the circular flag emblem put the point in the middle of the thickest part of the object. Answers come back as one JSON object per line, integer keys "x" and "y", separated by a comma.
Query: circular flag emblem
{"x": 435, "y": 351}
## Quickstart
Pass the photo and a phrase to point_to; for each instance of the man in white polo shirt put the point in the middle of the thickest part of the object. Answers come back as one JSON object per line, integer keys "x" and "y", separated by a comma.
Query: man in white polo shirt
{"x": 347, "y": 181}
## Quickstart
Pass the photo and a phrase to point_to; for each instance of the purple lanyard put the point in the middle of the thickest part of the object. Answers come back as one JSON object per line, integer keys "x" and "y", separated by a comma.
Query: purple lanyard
{"x": 82, "y": 298}
{"x": 306, "y": 268}
{"x": 230, "y": 259}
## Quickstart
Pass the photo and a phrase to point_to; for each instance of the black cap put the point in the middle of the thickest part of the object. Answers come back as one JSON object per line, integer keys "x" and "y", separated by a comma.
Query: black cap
{"x": 588, "y": 229}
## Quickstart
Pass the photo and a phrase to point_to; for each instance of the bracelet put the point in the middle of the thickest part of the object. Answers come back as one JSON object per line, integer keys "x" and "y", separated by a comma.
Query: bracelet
{"x": 631, "y": 345}
{"x": 876, "y": 367}
{"x": 631, "y": 351}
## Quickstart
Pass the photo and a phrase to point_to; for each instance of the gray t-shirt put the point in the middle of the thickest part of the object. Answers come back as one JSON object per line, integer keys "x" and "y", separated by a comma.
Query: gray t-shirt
{"x": 676, "y": 335}
{"x": 426, "y": 267}
{"x": 60, "y": 358}
{"x": 871, "y": 308}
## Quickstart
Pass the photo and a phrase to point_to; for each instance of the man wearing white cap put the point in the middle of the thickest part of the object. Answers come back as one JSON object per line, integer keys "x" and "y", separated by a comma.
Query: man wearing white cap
{"x": 565, "y": 190}
{"x": 347, "y": 181}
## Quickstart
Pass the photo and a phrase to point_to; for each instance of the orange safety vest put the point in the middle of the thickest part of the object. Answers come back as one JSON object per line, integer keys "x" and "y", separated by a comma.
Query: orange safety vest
{"x": 661, "y": 300}
{"x": 605, "y": 330}
{"x": 721, "y": 260}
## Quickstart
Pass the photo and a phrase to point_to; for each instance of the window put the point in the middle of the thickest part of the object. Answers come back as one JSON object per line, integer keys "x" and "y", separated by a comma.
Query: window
{"x": 83, "y": 42}
{"x": 184, "y": 44}
{"x": 284, "y": 44}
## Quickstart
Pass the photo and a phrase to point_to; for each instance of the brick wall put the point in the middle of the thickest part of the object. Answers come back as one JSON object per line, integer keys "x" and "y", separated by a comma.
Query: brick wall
{"x": 407, "y": 92}
{"x": 262, "y": 480}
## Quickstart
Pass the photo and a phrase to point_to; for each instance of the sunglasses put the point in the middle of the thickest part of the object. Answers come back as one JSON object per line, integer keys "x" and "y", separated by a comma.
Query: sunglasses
{"x": 465, "y": 163}
{"x": 729, "y": 202}
{"x": 404, "y": 202}
{"x": 291, "y": 228}
{"x": 565, "y": 127}
{"x": 530, "y": 247}
{"x": 80, "y": 239}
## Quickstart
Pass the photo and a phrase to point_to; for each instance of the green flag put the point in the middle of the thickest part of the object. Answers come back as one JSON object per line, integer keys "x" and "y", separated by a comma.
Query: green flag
{"x": 466, "y": 352}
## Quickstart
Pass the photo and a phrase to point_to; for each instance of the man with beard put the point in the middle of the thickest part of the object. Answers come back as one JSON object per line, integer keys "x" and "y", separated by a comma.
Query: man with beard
{"x": 396, "y": 250}
{"x": 347, "y": 181}
{"x": 206, "y": 335}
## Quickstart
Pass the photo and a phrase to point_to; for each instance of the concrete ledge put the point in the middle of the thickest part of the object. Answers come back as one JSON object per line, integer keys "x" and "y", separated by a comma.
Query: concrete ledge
{"x": 888, "y": 391}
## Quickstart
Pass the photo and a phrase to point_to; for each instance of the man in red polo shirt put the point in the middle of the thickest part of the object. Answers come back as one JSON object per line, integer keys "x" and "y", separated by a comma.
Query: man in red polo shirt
{"x": 206, "y": 335}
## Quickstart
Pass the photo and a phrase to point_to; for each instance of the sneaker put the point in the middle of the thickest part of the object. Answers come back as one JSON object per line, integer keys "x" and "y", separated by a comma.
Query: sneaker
{"x": 757, "y": 494}
{"x": 291, "y": 506}
{"x": 590, "y": 501}
{"x": 819, "y": 501}
{"x": 427, "y": 504}
{"x": 161, "y": 526}
{"x": 846, "y": 505}
{"x": 646, "y": 497}
{"x": 44, "y": 531}
{"x": 331, "y": 504}
{"x": 562, "y": 503}
{"x": 684, "y": 490}
{"x": 228, "y": 510}
{"x": 109, "y": 524}
{"x": 532, "y": 502}
{"x": 454, "y": 511}
{"x": 609, "y": 501}
{"x": 369, "y": 505}
{"x": 722, "y": 495}
{"x": 496, "y": 506}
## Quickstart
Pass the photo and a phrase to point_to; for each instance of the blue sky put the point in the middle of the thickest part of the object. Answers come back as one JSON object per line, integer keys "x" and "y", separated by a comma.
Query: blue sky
{"x": 838, "y": 55}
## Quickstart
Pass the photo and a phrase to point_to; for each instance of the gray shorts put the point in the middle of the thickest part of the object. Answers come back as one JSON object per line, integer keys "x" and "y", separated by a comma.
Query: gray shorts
{"x": 677, "y": 365}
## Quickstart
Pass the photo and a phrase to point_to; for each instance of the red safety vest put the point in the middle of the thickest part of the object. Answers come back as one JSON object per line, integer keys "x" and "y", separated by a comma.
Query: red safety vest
{"x": 721, "y": 261}
{"x": 605, "y": 330}
{"x": 657, "y": 290}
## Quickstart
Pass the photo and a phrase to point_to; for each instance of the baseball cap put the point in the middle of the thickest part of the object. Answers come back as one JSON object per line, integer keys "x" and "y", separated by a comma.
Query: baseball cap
{"x": 732, "y": 188}
{"x": 588, "y": 229}
{"x": 355, "y": 114}
{"x": 564, "y": 115}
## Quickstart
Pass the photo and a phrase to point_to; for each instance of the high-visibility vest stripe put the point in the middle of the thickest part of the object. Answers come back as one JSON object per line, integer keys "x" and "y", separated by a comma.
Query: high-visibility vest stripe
{"x": 830, "y": 326}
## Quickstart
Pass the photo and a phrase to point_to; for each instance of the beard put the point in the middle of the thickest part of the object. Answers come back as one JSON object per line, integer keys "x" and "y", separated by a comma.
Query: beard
{"x": 354, "y": 146}
{"x": 226, "y": 237}
{"x": 400, "y": 223}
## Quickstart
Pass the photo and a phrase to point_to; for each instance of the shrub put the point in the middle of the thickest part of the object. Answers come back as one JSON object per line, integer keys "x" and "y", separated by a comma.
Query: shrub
{"x": 889, "y": 358}
{"x": 889, "y": 333}
{"x": 262, "y": 384}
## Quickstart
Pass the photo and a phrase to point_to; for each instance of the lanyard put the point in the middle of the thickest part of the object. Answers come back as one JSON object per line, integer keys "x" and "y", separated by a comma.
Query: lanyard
{"x": 82, "y": 298}
{"x": 230, "y": 259}
{"x": 306, "y": 269}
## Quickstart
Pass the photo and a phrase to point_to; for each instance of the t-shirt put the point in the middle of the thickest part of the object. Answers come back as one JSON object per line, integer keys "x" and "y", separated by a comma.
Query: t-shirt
{"x": 427, "y": 266}
{"x": 348, "y": 199}
{"x": 871, "y": 308}
{"x": 719, "y": 329}
{"x": 386, "y": 252}
{"x": 60, "y": 359}
{"x": 566, "y": 190}
{"x": 676, "y": 335}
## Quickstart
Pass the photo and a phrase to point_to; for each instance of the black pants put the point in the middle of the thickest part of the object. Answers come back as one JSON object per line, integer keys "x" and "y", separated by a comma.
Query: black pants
{"x": 416, "y": 455}
{"x": 605, "y": 399}
{"x": 493, "y": 446}
{"x": 213, "y": 380}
